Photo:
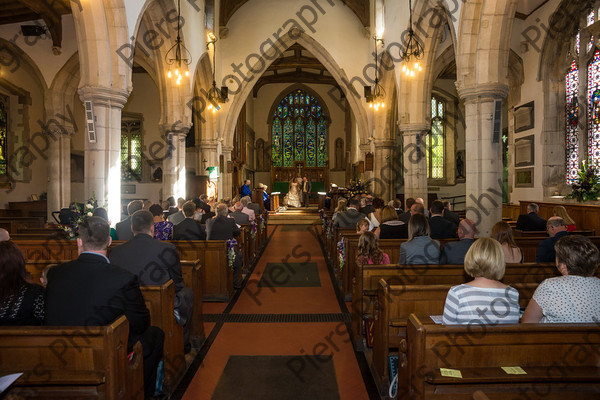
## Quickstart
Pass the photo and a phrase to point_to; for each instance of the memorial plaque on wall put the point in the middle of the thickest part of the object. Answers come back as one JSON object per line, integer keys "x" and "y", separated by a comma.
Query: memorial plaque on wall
{"x": 524, "y": 117}
{"x": 525, "y": 151}
{"x": 369, "y": 162}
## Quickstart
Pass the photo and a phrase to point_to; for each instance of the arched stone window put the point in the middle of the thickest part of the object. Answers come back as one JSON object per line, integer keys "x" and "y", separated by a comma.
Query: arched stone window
{"x": 299, "y": 131}
{"x": 436, "y": 140}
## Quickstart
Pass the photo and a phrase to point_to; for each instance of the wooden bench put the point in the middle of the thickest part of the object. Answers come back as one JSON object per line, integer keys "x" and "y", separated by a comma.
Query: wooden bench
{"x": 560, "y": 361}
{"x": 72, "y": 362}
{"x": 217, "y": 277}
{"x": 367, "y": 279}
{"x": 520, "y": 233}
{"x": 192, "y": 277}
{"x": 394, "y": 305}
{"x": 13, "y": 224}
{"x": 160, "y": 301}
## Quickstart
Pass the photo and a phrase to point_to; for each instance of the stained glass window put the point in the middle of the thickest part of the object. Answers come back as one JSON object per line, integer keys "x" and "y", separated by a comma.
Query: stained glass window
{"x": 3, "y": 134}
{"x": 131, "y": 149}
{"x": 572, "y": 117}
{"x": 594, "y": 110}
{"x": 299, "y": 131}
{"x": 591, "y": 18}
{"x": 435, "y": 143}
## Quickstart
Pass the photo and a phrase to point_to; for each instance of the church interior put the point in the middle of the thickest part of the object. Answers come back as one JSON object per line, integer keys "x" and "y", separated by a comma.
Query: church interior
{"x": 489, "y": 106}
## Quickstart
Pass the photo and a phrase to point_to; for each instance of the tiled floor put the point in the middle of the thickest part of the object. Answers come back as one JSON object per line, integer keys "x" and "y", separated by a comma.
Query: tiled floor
{"x": 282, "y": 338}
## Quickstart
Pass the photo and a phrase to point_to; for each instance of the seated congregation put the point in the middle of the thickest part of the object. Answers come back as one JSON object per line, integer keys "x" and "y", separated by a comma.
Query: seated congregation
{"x": 146, "y": 278}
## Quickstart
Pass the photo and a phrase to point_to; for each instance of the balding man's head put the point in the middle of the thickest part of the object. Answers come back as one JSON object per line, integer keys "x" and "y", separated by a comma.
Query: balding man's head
{"x": 555, "y": 225}
{"x": 419, "y": 200}
{"x": 467, "y": 229}
{"x": 4, "y": 235}
{"x": 417, "y": 208}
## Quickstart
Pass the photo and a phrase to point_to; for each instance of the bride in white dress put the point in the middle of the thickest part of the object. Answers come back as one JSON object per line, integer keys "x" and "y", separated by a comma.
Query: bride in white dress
{"x": 292, "y": 198}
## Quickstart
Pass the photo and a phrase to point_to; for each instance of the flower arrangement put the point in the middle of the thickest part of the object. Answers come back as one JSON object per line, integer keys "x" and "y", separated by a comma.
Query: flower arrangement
{"x": 587, "y": 186}
{"x": 262, "y": 223}
{"x": 128, "y": 175}
{"x": 231, "y": 252}
{"x": 356, "y": 188}
{"x": 253, "y": 229}
{"x": 81, "y": 211}
{"x": 341, "y": 253}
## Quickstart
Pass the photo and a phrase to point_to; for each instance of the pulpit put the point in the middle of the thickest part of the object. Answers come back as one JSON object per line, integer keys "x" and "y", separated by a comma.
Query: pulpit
{"x": 274, "y": 202}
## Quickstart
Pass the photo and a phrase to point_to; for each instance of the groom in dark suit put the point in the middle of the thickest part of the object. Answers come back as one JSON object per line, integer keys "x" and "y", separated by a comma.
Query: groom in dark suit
{"x": 90, "y": 291}
{"x": 305, "y": 192}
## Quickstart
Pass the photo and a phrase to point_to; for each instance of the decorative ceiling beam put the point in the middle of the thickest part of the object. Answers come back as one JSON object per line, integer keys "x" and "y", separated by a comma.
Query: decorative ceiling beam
{"x": 293, "y": 77}
{"x": 51, "y": 16}
{"x": 293, "y": 62}
{"x": 228, "y": 7}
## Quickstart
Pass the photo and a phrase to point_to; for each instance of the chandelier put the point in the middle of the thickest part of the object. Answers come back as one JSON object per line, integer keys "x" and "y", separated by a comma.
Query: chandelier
{"x": 413, "y": 50}
{"x": 216, "y": 96}
{"x": 375, "y": 96}
{"x": 178, "y": 56}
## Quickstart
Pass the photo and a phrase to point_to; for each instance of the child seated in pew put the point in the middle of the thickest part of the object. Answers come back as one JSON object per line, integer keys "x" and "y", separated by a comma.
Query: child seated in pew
{"x": 362, "y": 226}
{"x": 503, "y": 233}
{"x": 573, "y": 297}
{"x": 484, "y": 300}
{"x": 369, "y": 252}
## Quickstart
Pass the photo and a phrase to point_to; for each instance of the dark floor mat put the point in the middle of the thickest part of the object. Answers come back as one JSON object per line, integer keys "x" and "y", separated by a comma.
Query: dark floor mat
{"x": 278, "y": 377}
{"x": 290, "y": 275}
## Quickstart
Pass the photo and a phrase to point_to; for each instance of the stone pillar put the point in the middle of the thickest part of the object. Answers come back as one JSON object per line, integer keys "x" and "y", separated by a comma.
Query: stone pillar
{"x": 384, "y": 181}
{"x": 483, "y": 158}
{"x": 414, "y": 138}
{"x": 226, "y": 189}
{"x": 174, "y": 176}
{"x": 59, "y": 169}
{"x": 207, "y": 151}
{"x": 103, "y": 158}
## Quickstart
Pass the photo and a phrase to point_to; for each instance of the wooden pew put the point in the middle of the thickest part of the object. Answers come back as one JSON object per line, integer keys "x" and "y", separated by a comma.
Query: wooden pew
{"x": 520, "y": 233}
{"x": 395, "y": 304}
{"x": 72, "y": 362}
{"x": 217, "y": 277}
{"x": 561, "y": 361}
{"x": 13, "y": 224}
{"x": 367, "y": 280}
{"x": 192, "y": 277}
{"x": 160, "y": 301}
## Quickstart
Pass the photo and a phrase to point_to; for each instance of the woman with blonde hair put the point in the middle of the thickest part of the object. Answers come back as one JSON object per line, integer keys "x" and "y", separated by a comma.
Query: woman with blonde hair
{"x": 341, "y": 207}
{"x": 484, "y": 300}
{"x": 420, "y": 248}
{"x": 560, "y": 211}
{"x": 502, "y": 232}
{"x": 368, "y": 250}
{"x": 391, "y": 227}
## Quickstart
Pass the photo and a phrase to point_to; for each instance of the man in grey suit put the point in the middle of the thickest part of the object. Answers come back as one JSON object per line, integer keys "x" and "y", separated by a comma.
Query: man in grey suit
{"x": 454, "y": 252}
{"x": 239, "y": 217}
{"x": 123, "y": 228}
{"x": 350, "y": 217}
{"x": 251, "y": 205}
{"x": 155, "y": 262}
{"x": 305, "y": 192}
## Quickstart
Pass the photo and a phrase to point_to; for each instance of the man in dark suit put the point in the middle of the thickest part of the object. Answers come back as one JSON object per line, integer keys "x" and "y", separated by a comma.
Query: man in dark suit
{"x": 454, "y": 252}
{"x": 366, "y": 205}
{"x": 405, "y": 216}
{"x": 239, "y": 217}
{"x": 155, "y": 262}
{"x": 123, "y": 228}
{"x": 178, "y": 216}
{"x": 531, "y": 221}
{"x": 350, "y": 217}
{"x": 90, "y": 291}
{"x": 251, "y": 205}
{"x": 397, "y": 204}
{"x": 305, "y": 192}
{"x": 449, "y": 214}
{"x": 204, "y": 203}
{"x": 441, "y": 228}
{"x": 223, "y": 228}
{"x": 557, "y": 228}
{"x": 189, "y": 228}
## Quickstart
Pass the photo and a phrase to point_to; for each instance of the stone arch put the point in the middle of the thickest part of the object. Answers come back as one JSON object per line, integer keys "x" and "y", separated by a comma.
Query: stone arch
{"x": 17, "y": 58}
{"x": 315, "y": 48}
{"x": 291, "y": 88}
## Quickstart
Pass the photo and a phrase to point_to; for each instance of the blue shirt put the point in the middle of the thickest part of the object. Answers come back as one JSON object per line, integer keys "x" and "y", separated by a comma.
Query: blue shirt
{"x": 245, "y": 190}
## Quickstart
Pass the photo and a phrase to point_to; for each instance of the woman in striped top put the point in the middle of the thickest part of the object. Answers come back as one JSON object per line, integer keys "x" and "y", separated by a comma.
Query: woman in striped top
{"x": 484, "y": 300}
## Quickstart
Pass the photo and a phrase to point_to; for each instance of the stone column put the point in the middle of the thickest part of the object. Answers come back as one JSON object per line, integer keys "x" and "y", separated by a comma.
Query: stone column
{"x": 483, "y": 158}
{"x": 414, "y": 138}
{"x": 226, "y": 179}
{"x": 208, "y": 152}
{"x": 174, "y": 177}
{"x": 384, "y": 181}
{"x": 103, "y": 158}
{"x": 59, "y": 169}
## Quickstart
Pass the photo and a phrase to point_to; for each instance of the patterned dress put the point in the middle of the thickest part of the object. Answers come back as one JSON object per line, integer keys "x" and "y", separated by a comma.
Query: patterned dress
{"x": 25, "y": 307}
{"x": 163, "y": 230}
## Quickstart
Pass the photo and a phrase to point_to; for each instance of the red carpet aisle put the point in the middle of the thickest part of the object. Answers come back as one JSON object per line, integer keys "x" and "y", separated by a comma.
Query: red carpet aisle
{"x": 284, "y": 337}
